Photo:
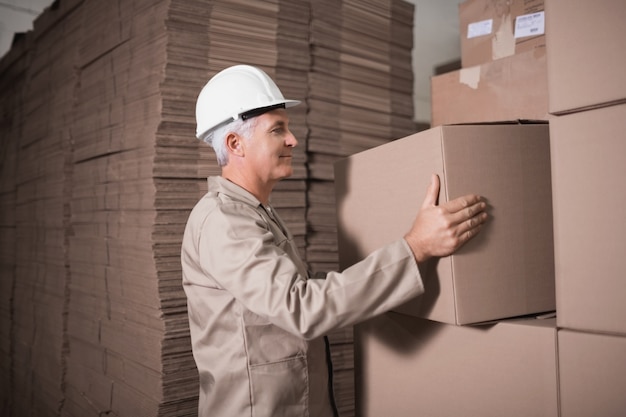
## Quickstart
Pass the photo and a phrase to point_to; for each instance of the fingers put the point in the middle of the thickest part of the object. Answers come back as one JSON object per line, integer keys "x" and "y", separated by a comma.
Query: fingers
{"x": 460, "y": 203}
{"x": 432, "y": 193}
{"x": 470, "y": 227}
{"x": 473, "y": 212}
{"x": 467, "y": 222}
{"x": 452, "y": 206}
{"x": 439, "y": 230}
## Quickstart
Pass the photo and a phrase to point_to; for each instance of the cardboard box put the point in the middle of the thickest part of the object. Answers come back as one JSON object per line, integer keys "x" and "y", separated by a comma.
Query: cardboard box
{"x": 588, "y": 151}
{"x": 413, "y": 367}
{"x": 494, "y": 29}
{"x": 586, "y": 53}
{"x": 508, "y": 269}
{"x": 510, "y": 88}
{"x": 592, "y": 374}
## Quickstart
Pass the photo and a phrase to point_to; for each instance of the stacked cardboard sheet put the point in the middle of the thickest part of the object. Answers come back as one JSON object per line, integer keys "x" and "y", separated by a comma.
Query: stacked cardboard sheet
{"x": 13, "y": 70}
{"x": 360, "y": 95}
{"x": 41, "y": 218}
{"x": 115, "y": 328}
{"x": 181, "y": 166}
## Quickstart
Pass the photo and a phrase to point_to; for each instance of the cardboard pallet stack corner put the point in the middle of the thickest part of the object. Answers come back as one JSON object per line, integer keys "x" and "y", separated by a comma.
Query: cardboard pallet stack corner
{"x": 588, "y": 147}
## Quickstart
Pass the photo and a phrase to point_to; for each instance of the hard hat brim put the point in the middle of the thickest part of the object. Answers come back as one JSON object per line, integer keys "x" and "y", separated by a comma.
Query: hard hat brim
{"x": 250, "y": 113}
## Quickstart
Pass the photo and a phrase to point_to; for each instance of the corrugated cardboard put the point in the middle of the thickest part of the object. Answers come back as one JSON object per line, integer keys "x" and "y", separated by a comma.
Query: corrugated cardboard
{"x": 510, "y": 88}
{"x": 588, "y": 170}
{"x": 592, "y": 374}
{"x": 508, "y": 269}
{"x": 100, "y": 169}
{"x": 414, "y": 367}
{"x": 586, "y": 53}
{"x": 494, "y": 29}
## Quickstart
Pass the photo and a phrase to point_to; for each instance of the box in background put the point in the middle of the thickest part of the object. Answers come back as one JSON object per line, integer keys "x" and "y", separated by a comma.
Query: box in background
{"x": 592, "y": 374}
{"x": 411, "y": 367}
{"x": 586, "y": 53}
{"x": 510, "y": 88}
{"x": 494, "y": 29}
{"x": 505, "y": 271}
{"x": 588, "y": 151}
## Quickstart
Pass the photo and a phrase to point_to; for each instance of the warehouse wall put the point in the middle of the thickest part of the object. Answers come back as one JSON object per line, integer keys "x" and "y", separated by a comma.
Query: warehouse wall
{"x": 435, "y": 44}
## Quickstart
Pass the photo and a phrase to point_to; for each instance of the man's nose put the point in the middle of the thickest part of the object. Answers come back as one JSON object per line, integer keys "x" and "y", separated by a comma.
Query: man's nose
{"x": 291, "y": 140}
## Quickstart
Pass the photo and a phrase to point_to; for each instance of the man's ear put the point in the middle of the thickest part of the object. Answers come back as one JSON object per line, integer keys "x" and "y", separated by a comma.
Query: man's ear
{"x": 234, "y": 144}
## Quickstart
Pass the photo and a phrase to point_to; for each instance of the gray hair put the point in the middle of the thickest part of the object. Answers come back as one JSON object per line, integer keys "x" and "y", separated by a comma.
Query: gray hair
{"x": 217, "y": 137}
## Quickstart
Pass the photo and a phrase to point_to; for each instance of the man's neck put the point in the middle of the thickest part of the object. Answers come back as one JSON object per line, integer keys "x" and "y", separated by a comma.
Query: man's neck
{"x": 251, "y": 184}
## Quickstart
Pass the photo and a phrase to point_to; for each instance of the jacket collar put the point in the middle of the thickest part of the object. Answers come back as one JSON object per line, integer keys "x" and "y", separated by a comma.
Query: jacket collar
{"x": 220, "y": 184}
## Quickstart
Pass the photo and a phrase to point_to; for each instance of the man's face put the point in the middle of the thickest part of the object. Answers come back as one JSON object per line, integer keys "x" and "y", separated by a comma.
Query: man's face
{"x": 269, "y": 149}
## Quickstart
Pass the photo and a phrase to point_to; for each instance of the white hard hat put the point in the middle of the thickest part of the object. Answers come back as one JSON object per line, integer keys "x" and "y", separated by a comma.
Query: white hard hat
{"x": 237, "y": 91}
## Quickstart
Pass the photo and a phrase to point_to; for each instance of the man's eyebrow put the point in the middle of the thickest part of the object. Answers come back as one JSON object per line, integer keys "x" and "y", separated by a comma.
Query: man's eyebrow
{"x": 277, "y": 123}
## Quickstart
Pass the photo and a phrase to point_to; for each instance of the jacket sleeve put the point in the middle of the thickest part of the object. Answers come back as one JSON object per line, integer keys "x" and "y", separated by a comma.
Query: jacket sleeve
{"x": 238, "y": 251}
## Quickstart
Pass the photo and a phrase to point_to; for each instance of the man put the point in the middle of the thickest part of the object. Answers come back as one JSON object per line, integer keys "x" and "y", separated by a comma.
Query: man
{"x": 257, "y": 318}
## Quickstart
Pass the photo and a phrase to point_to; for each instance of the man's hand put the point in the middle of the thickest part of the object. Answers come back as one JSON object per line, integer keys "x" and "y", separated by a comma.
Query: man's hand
{"x": 441, "y": 230}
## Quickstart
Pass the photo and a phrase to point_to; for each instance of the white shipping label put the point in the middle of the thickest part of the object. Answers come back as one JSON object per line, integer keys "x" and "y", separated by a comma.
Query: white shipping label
{"x": 530, "y": 25}
{"x": 484, "y": 27}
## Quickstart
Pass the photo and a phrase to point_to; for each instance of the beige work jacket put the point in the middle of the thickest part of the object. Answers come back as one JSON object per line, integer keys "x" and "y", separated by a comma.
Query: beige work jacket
{"x": 257, "y": 318}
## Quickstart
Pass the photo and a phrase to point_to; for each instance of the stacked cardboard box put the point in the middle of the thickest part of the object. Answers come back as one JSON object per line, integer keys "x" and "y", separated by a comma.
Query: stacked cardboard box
{"x": 508, "y": 164}
{"x": 577, "y": 361}
{"x": 491, "y": 30}
{"x": 437, "y": 369}
{"x": 439, "y": 345}
{"x": 506, "y": 271}
{"x": 504, "y": 65}
{"x": 586, "y": 57}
